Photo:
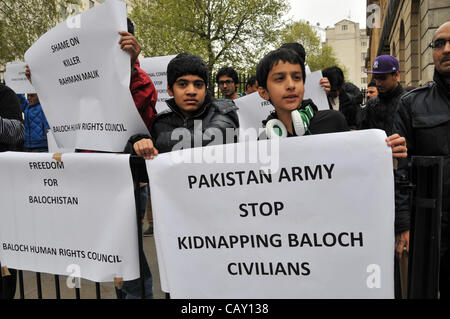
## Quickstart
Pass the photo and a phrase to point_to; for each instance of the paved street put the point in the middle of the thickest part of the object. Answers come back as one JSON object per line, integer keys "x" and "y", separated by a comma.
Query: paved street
{"x": 87, "y": 287}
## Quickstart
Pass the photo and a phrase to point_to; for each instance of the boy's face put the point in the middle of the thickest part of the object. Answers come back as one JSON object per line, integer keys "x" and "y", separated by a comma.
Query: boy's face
{"x": 285, "y": 88}
{"x": 189, "y": 92}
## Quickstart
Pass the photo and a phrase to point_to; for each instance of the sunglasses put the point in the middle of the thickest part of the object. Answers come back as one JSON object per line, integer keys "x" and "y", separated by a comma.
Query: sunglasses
{"x": 439, "y": 44}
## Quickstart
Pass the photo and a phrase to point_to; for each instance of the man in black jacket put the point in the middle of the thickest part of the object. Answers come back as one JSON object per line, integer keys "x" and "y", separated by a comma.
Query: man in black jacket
{"x": 424, "y": 120}
{"x": 380, "y": 111}
{"x": 195, "y": 119}
{"x": 11, "y": 122}
{"x": 11, "y": 139}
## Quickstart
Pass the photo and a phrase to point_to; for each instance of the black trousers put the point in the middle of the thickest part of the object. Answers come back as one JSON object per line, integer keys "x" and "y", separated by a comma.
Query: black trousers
{"x": 8, "y": 285}
{"x": 444, "y": 276}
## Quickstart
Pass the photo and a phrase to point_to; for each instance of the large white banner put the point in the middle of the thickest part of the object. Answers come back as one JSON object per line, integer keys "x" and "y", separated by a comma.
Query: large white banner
{"x": 82, "y": 78}
{"x": 16, "y": 79}
{"x": 72, "y": 215}
{"x": 319, "y": 226}
{"x": 156, "y": 68}
{"x": 253, "y": 109}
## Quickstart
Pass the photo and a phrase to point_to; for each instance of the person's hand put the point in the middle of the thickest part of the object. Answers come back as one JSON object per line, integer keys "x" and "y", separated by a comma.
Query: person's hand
{"x": 398, "y": 145}
{"x": 145, "y": 149}
{"x": 28, "y": 73}
{"x": 325, "y": 83}
{"x": 402, "y": 244}
{"x": 129, "y": 43}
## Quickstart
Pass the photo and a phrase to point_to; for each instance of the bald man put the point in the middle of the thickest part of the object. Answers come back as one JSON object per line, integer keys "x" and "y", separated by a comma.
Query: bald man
{"x": 424, "y": 120}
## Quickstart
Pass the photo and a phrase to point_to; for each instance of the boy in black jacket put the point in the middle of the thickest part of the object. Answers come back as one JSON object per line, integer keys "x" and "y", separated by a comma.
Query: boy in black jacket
{"x": 191, "y": 105}
{"x": 281, "y": 76}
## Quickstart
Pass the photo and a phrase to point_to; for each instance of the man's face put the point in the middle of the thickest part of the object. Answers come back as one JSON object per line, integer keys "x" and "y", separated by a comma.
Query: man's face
{"x": 386, "y": 82}
{"x": 441, "y": 53}
{"x": 285, "y": 88}
{"x": 33, "y": 99}
{"x": 227, "y": 86}
{"x": 372, "y": 92}
{"x": 189, "y": 92}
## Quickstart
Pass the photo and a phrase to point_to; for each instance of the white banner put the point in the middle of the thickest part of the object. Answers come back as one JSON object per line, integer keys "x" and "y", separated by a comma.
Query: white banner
{"x": 156, "y": 68}
{"x": 83, "y": 77}
{"x": 72, "y": 216}
{"x": 253, "y": 109}
{"x": 320, "y": 226}
{"x": 315, "y": 92}
{"x": 16, "y": 79}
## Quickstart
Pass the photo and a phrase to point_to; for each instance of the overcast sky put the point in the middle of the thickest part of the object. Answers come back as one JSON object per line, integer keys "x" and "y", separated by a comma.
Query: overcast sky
{"x": 328, "y": 12}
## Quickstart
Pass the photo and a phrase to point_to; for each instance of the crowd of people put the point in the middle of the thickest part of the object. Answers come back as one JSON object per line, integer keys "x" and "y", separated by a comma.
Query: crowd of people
{"x": 416, "y": 123}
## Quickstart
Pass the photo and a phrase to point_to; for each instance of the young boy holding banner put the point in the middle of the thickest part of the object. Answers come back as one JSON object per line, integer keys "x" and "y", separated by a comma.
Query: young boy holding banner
{"x": 187, "y": 76}
{"x": 281, "y": 77}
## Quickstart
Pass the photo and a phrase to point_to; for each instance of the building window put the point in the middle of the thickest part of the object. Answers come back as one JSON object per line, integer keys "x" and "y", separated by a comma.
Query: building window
{"x": 363, "y": 56}
{"x": 363, "y": 69}
{"x": 91, "y": 4}
{"x": 364, "y": 44}
{"x": 364, "y": 80}
{"x": 345, "y": 27}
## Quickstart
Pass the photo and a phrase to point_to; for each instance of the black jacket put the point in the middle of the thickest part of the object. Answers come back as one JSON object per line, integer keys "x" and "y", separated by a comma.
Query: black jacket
{"x": 380, "y": 111}
{"x": 322, "y": 122}
{"x": 12, "y": 135}
{"x": 424, "y": 120}
{"x": 348, "y": 106}
{"x": 214, "y": 115}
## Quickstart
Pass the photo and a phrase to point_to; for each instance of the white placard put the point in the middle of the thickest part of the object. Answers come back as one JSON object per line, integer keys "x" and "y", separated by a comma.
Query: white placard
{"x": 16, "y": 80}
{"x": 252, "y": 111}
{"x": 156, "y": 68}
{"x": 53, "y": 147}
{"x": 315, "y": 92}
{"x": 75, "y": 214}
{"x": 321, "y": 226}
{"x": 83, "y": 77}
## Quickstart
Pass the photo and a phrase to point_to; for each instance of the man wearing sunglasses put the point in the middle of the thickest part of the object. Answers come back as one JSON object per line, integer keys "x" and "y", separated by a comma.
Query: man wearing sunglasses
{"x": 424, "y": 120}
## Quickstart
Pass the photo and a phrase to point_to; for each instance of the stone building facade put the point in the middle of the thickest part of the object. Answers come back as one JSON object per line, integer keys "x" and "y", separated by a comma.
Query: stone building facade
{"x": 404, "y": 29}
{"x": 350, "y": 44}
